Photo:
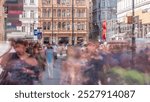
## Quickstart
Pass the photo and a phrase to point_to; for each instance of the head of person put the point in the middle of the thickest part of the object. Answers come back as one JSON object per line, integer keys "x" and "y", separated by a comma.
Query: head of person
{"x": 92, "y": 46}
{"x": 20, "y": 46}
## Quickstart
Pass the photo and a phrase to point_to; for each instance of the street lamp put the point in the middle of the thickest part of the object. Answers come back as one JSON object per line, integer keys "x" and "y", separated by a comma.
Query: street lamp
{"x": 133, "y": 35}
{"x": 100, "y": 19}
{"x": 73, "y": 22}
{"x": 52, "y": 21}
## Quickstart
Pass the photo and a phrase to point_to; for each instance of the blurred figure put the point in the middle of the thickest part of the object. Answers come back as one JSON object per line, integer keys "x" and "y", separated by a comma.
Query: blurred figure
{"x": 22, "y": 68}
{"x": 71, "y": 71}
{"x": 94, "y": 71}
{"x": 55, "y": 49}
{"x": 49, "y": 59}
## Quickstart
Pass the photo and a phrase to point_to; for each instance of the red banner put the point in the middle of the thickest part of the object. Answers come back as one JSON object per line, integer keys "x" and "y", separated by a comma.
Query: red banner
{"x": 14, "y": 12}
{"x": 104, "y": 26}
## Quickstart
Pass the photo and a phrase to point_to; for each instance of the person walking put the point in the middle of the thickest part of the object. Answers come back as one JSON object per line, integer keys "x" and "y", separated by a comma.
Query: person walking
{"x": 21, "y": 67}
{"x": 49, "y": 59}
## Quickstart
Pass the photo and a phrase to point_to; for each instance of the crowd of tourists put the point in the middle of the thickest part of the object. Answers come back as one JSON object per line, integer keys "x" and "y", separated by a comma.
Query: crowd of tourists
{"x": 25, "y": 62}
{"x": 88, "y": 65}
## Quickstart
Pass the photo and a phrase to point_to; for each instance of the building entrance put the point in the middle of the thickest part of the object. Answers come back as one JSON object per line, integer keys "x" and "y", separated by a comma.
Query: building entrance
{"x": 64, "y": 40}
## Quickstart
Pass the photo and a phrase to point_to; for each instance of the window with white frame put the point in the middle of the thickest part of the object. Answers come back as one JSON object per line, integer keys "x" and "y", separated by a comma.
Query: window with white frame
{"x": 24, "y": 1}
{"x": 23, "y": 28}
{"x": 32, "y": 2}
{"x": 31, "y": 14}
{"x": 31, "y": 27}
{"x": 24, "y": 15}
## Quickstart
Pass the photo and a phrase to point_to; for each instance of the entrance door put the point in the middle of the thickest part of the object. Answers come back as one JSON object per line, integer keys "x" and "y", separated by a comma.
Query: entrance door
{"x": 46, "y": 40}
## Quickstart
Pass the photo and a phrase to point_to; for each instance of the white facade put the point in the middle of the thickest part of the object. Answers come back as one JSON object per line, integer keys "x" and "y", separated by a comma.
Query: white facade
{"x": 125, "y": 6}
{"x": 29, "y": 18}
{"x": 142, "y": 12}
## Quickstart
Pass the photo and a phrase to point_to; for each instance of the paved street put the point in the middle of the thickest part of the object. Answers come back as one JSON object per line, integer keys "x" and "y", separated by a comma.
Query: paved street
{"x": 57, "y": 74}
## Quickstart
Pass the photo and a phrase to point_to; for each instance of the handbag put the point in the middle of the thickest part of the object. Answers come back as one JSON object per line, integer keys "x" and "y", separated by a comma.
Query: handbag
{"x": 3, "y": 77}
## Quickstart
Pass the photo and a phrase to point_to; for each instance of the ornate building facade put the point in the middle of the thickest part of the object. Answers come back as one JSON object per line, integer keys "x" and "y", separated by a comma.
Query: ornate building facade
{"x": 64, "y": 20}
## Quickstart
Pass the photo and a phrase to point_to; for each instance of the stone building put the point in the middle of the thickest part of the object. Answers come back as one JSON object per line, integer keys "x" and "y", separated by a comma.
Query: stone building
{"x": 64, "y": 20}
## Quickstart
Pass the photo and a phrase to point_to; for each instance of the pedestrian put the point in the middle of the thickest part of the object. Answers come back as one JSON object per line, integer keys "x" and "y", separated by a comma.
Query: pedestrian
{"x": 21, "y": 67}
{"x": 55, "y": 49}
{"x": 49, "y": 59}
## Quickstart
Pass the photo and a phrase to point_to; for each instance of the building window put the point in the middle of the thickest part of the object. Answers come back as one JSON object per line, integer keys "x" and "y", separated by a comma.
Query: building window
{"x": 80, "y": 2}
{"x": 24, "y": 14}
{"x": 49, "y": 13}
{"x": 23, "y": 29}
{"x": 59, "y": 25}
{"x": 31, "y": 14}
{"x": 31, "y": 27}
{"x": 68, "y": 2}
{"x": 68, "y": 13}
{"x": 48, "y": 26}
{"x": 78, "y": 25}
{"x": 44, "y": 26}
{"x": 48, "y": 1}
{"x": 24, "y": 2}
{"x": 54, "y": 13}
{"x": 44, "y": 13}
{"x": 59, "y": 13}
{"x": 103, "y": 15}
{"x": 63, "y": 2}
{"x": 100, "y": 5}
{"x": 31, "y": 1}
{"x": 103, "y": 3}
{"x": 54, "y": 25}
{"x": 63, "y": 25}
{"x": 82, "y": 26}
{"x": 58, "y": 1}
{"x": 68, "y": 26}
{"x": 63, "y": 13}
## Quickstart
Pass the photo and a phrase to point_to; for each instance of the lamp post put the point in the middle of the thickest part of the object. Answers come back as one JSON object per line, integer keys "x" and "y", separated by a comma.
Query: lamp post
{"x": 133, "y": 35}
{"x": 52, "y": 21}
{"x": 100, "y": 19}
{"x": 73, "y": 22}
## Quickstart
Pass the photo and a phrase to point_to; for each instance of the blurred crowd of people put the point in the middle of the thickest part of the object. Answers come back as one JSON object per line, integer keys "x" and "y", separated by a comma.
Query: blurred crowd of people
{"x": 88, "y": 65}
{"x": 25, "y": 62}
